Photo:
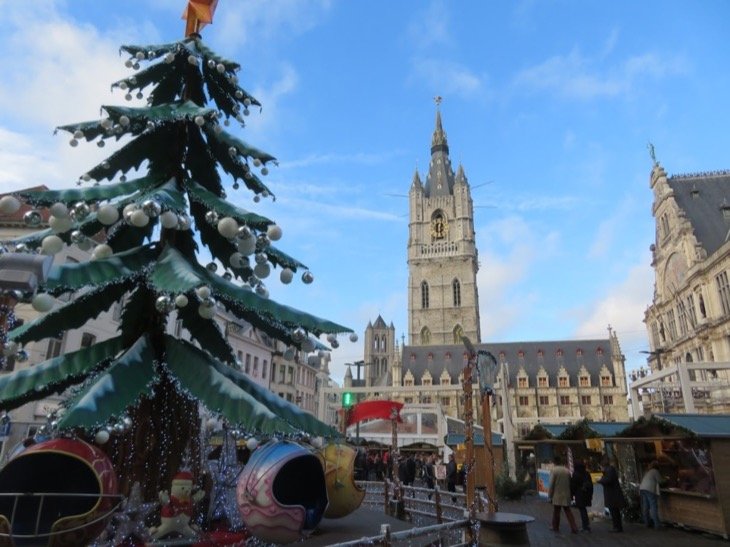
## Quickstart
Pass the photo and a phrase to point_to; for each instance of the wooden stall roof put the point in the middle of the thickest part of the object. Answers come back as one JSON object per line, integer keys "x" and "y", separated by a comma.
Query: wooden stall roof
{"x": 702, "y": 425}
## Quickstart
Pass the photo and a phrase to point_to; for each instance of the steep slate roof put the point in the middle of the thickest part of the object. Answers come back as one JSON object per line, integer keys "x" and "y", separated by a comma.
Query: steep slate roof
{"x": 380, "y": 323}
{"x": 440, "y": 164}
{"x": 595, "y": 353}
{"x": 702, "y": 197}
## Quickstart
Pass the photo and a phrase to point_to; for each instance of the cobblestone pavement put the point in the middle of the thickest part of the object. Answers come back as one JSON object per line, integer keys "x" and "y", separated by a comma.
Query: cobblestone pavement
{"x": 366, "y": 521}
{"x": 634, "y": 534}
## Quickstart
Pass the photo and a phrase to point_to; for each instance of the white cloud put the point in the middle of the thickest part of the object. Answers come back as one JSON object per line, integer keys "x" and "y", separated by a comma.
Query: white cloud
{"x": 501, "y": 274}
{"x": 448, "y": 78}
{"x": 240, "y": 23}
{"x": 610, "y": 228}
{"x": 358, "y": 158}
{"x": 622, "y": 307}
{"x": 575, "y": 76}
{"x": 430, "y": 27}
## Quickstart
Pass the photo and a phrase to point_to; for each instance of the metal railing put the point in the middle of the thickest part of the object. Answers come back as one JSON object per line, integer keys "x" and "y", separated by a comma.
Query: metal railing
{"x": 41, "y": 498}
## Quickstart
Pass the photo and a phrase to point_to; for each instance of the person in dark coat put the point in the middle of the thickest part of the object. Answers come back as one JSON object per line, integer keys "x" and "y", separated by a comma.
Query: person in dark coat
{"x": 410, "y": 470}
{"x": 429, "y": 474}
{"x": 581, "y": 487}
{"x": 613, "y": 496}
{"x": 451, "y": 473}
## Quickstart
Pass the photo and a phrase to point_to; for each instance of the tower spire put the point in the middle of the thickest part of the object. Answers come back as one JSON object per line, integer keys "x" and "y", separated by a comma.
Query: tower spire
{"x": 438, "y": 141}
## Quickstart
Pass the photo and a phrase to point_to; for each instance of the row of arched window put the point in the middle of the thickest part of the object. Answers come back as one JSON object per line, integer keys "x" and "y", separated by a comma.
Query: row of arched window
{"x": 380, "y": 343}
{"x": 455, "y": 293}
{"x": 457, "y": 332}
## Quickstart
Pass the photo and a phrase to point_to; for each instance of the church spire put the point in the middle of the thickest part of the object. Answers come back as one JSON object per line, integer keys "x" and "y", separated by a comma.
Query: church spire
{"x": 440, "y": 179}
{"x": 438, "y": 141}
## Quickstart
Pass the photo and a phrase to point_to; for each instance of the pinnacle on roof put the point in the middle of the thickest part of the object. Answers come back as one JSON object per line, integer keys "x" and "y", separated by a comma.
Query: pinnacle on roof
{"x": 460, "y": 175}
{"x": 416, "y": 180}
{"x": 438, "y": 141}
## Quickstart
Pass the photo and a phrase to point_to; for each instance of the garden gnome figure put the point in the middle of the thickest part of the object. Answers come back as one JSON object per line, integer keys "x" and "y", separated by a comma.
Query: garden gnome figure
{"x": 177, "y": 508}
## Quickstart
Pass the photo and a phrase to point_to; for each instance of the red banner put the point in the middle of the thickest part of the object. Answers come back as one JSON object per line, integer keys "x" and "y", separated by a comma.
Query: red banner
{"x": 370, "y": 410}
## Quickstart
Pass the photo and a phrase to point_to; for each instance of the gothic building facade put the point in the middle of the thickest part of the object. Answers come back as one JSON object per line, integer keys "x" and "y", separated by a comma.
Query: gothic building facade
{"x": 688, "y": 320}
{"x": 443, "y": 301}
{"x": 539, "y": 381}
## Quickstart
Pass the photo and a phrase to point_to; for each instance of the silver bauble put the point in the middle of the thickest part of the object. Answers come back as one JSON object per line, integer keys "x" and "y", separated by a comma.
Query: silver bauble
{"x": 353, "y": 337}
{"x": 21, "y": 356}
{"x": 151, "y": 208}
{"x": 163, "y": 303}
{"x": 211, "y": 217}
{"x": 244, "y": 232}
{"x": 32, "y": 218}
{"x": 183, "y": 222}
{"x": 261, "y": 258}
{"x": 77, "y": 236}
{"x": 299, "y": 334}
{"x": 262, "y": 241}
{"x": 262, "y": 271}
{"x": 307, "y": 277}
{"x": 227, "y": 276}
{"x": 211, "y": 267}
{"x": 81, "y": 210}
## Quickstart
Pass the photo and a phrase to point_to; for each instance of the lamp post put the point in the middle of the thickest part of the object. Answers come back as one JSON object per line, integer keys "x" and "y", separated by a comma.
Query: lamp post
{"x": 358, "y": 365}
{"x": 658, "y": 354}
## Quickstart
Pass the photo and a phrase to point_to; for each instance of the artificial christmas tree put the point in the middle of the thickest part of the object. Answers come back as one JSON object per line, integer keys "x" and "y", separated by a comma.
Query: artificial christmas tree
{"x": 144, "y": 385}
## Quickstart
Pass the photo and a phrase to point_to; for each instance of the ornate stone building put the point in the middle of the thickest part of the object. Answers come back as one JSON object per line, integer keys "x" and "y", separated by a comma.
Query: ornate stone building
{"x": 541, "y": 381}
{"x": 688, "y": 320}
{"x": 380, "y": 351}
{"x": 443, "y": 302}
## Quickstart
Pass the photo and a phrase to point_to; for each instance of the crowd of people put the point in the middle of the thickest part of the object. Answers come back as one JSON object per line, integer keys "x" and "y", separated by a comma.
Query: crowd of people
{"x": 576, "y": 488}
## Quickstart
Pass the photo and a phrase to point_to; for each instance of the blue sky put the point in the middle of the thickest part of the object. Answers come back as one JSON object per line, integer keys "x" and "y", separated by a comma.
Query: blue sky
{"x": 551, "y": 104}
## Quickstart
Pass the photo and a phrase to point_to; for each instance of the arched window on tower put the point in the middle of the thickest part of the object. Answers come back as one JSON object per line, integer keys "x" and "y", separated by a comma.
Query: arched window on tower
{"x": 383, "y": 344}
{"x": 456, "y": 289}
{"x": 424, "y": 295}
{"x": 458, "y": 334}
{"x": 425, "y": 336}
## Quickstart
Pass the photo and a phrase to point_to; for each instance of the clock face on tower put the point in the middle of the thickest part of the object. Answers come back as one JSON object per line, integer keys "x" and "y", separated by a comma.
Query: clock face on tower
{"x": 439, "y": 227}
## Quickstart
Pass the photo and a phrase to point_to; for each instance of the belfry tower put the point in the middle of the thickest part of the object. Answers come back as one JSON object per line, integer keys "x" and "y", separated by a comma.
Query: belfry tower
{"x": 443, "y": 302}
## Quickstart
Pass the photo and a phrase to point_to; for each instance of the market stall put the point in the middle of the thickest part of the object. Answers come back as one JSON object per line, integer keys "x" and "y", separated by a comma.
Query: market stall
{"x": 693, "y": 451}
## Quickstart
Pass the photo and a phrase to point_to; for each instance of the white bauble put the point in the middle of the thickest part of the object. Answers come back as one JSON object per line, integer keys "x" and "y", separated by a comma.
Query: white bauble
{"x": 168, "y": 219}
{"x": 331, "y": 338}
{"x": 236, "y": 261}
{"x": 181, "y": 300}
{"x": 129, "y": 209}
{"x": 206, "y": 312}
{"x": 9, "y": 205}
{"x": 274, "y": 232}
{"x": 317, "y": 442}
{"x": 51, "y": 245}
{"x": 139, "y": 218}
{"x": 60, "y": 225}
{"x": 43, "y": 302}
{"x": 227, "y": 227}
{"x": 286, "y": 276}
{"x": 101, "y": 437}
{"x": 107, "y": 215}
{"x": 247, "y": 246}
{"x": 203, "y": 292}
{"x": 252, "y": 443}
{"x": 308, "y": 345}
{"x": 59, "y": 210}
{"x": 101, "y": 251}
{"x": 262, "y": 271}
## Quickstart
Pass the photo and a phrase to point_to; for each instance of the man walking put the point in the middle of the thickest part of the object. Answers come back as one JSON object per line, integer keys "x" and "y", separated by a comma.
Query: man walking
{"x": 451, "y": 472}
{"x": 559, "y": 495}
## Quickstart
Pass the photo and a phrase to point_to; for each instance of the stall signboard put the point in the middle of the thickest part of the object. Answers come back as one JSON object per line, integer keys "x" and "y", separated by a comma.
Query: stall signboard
{"x": 543, "y": 483}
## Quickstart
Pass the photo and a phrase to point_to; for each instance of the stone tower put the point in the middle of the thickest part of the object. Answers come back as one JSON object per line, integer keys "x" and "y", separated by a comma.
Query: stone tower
{"x": 443, "y": 303}
{"x": 380, "y": 346}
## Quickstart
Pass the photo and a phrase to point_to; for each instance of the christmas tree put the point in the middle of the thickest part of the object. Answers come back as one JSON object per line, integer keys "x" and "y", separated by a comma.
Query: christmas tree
{"x": 145, "y": 234}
